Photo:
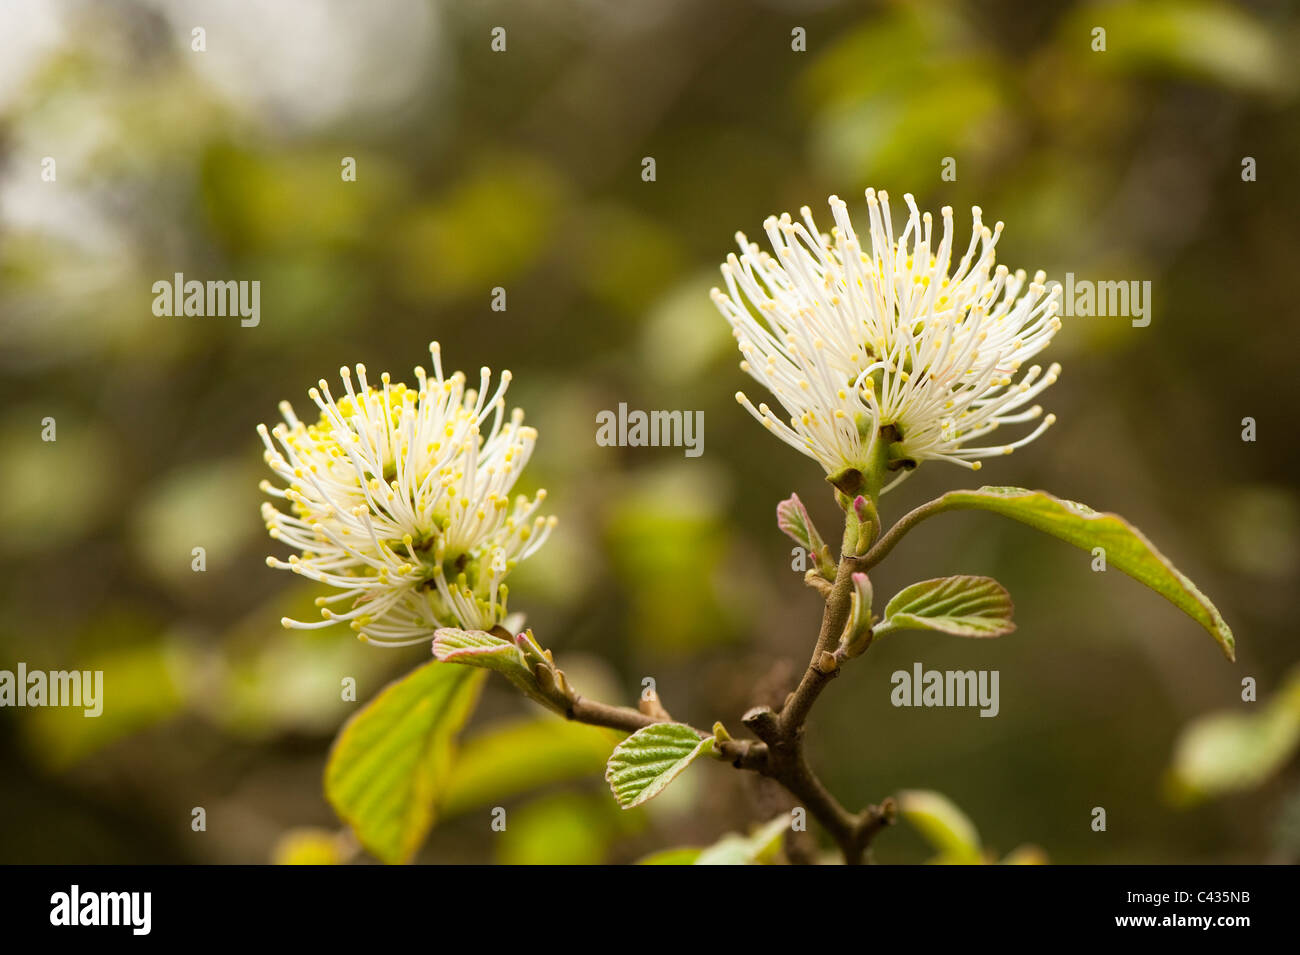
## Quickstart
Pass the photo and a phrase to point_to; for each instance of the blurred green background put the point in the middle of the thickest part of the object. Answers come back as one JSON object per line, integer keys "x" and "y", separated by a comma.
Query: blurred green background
{"x": 522, "y": 170}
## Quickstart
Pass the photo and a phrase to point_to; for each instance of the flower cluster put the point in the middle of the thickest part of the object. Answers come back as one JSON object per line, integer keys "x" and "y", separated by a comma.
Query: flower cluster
{"x": 887, "y": 356}
{"x": 399, "y": 499}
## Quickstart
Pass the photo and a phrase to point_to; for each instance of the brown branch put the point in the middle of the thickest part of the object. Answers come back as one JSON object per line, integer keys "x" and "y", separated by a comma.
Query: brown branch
{"x": 820, "y": 670}
{"x": 904, "y": 524}
{"x": 778, "y": 753}
{"x": 852, "y": 833}
{"x": 595, "y": 713}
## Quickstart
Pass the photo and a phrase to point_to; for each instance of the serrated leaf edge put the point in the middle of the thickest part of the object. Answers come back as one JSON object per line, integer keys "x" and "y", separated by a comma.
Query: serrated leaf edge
{"x": 659, "y": 780}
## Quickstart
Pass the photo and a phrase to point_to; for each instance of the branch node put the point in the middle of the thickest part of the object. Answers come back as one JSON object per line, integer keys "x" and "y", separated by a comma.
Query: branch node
{"x": 817, "y": 582}
{"x": 650, "y": 706}
{"x": 888, "y": 810}
{"x": 763, "y": 723}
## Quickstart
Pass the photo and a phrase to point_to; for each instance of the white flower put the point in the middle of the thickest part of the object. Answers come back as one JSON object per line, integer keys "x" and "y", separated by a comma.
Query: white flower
{"x": 888, "y": 356}
{"x": 401, "y": 502}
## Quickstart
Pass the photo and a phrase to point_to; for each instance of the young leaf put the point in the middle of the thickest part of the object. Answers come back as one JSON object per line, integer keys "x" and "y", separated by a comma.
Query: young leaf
{"x": 309, "y": 846}
{"x": 1125, "y": 546}
{"x": 1227, "y": 752}
{"x": 647, "y": 761}
{"x": 792, "y": 518}
{"x": 388, "y": 766}
{"x": 1230, "y": 751}
{"x": 963, "y": 606}
{"x": 858, "y": 634}
{"x": 944, "y": 826}
{"x": 758, "y": 848}
{"x": 476, "y": 648}
{"x": 761, "y": 847}
{"x": 1025, "y": 855}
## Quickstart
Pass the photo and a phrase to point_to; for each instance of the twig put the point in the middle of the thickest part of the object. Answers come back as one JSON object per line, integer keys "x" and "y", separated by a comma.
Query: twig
{"x": 595, "y": 713}
{"x": 778, "y": 753}
{"x": 904, "y": 524}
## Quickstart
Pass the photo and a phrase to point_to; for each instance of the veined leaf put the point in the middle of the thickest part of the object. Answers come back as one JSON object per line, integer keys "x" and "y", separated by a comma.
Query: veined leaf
{"x": 476, "y": 648}
{"x": 1125, "y": 546}
{"x": 389, "y": 765}
{"x": 963, "y": 606}
{"x": 647, "y": 761}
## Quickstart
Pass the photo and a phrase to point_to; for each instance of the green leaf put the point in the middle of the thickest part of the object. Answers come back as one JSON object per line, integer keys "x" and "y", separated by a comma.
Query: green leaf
{"x": 476, "y": 648}
{"x": 963, "y": 606}
{"x": 141, "y": 682}
{"x": 758, "y": 848}
{"x": 1125, "y": 546}
{"x": 683, "y": 855}
{"x": 1209, "y": 40}
{"x": 647, "y": 761}
{"x": 389, "y": 765}
{"x": 761, "y": 847}
{"x": 667, "y": 541}
{"x": 561, "y": 828}
{"x": 793, "y": 520}
{"x": 1025, "y": 855}
{"x": 1230, "y": 751}
{"x": 858, "y": 634}
{"x": 1227, "y": 752}
{"x": 944, "y": 826}
{"x": 515, "y": 757}
{"x": 308, "y": 846}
